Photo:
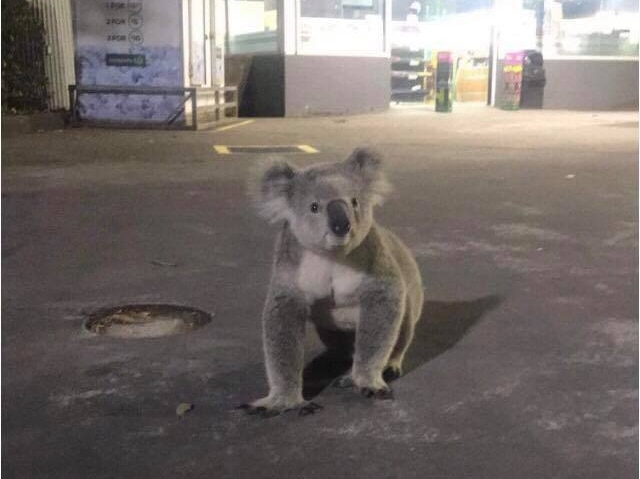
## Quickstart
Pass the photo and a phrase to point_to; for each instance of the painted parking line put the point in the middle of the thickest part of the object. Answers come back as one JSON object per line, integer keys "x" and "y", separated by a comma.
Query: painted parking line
{"x": 221, "y": 149}
{"x": 262, "y": 149}
{"x": 308, "y": 149}
{"x": 234, "y": 125}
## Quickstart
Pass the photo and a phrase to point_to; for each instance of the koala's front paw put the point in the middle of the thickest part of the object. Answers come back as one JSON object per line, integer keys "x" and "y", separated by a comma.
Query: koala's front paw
{"x": 270, "y": 407}
{"x": 368, "y": 388}
{"x": 392, "y": 372}
{"x": 261, "y": 411}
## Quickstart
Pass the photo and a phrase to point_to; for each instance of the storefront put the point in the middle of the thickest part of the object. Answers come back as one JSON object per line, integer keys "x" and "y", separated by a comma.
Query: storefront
{"x": 315, "y": 57}
{"x": 587, "y": 45}
{"x": 306, "y": 57}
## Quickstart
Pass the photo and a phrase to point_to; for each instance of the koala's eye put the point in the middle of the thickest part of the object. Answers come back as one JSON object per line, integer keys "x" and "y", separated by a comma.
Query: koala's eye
{"x": 314, "y": 207}
{"x": 354, "y": 202}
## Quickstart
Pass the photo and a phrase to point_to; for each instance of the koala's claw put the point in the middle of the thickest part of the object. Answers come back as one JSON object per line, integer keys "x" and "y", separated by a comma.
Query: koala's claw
{"x": 366, "y": 391}
{"x": 267, "y": 412}
{"x": 391, "y": 373}
{"x": 382, "y": 394}
{"x": 258, "y": 410}
{"x": 309, "y": 408}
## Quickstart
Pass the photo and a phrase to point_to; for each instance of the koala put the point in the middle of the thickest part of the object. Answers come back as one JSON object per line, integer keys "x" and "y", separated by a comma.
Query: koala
{"x": 334, "y": 266}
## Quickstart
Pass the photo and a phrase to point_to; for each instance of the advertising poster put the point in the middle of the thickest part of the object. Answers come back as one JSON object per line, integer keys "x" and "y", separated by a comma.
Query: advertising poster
{"x": 135, "y": 43}
{"x": 512, "y": 74}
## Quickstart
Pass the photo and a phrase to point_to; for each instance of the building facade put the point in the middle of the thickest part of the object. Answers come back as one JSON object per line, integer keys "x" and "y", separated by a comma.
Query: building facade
{"x": 318, "y": 57}
{"x": 306, "y": 57}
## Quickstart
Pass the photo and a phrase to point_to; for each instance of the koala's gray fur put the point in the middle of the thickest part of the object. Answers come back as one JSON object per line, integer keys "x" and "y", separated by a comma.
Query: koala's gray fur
{"x": 336, "y": 267}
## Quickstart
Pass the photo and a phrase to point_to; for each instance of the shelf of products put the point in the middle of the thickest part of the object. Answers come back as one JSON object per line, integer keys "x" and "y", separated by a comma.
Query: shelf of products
{"x": 408, "y": 75}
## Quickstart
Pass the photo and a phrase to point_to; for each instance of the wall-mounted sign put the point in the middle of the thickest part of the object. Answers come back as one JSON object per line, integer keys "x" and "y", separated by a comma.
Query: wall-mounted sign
{"x": 128, "y": 43}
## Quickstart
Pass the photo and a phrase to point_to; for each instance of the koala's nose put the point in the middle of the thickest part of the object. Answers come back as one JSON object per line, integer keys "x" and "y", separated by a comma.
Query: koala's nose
{"x": 337, "y": 211}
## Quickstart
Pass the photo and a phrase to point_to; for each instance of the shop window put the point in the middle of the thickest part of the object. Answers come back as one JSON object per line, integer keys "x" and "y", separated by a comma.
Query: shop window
{"x": 344, "y": 27}
{"x": 352, "y": 9}
{"x": 424, "y": 10}
{"x": 591, "y": 28}
{"x": 452, "y": 25}
{"x": 252, "y": 26}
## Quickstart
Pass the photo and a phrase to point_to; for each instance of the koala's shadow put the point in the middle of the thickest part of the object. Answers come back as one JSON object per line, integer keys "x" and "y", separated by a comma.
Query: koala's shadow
{"x": 441, "y": 326}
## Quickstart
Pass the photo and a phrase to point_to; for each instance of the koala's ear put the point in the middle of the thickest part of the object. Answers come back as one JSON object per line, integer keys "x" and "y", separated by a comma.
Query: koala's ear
{"x": 272, "y": 188}
{"x": 365, "y": 166}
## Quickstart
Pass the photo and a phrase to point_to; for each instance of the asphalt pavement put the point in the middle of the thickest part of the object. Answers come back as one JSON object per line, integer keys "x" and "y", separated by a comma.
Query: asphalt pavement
{"x": 525, "y": 363}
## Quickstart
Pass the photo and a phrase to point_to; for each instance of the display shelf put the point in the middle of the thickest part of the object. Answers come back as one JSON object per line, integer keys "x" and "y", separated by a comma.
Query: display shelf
{"x": 407, "y": 75}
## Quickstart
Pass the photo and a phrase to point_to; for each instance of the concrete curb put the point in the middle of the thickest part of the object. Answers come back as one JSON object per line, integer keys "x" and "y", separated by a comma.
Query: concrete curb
{"x": 13, "y": 125}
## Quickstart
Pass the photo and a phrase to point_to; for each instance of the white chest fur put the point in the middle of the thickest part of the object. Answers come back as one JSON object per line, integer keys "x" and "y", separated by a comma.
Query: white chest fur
{"x": 320, "y": 277}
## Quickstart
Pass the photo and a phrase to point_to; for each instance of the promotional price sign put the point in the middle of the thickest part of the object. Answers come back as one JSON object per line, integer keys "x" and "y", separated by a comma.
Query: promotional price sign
{"x": 512, "y": 74}
{"x": 128, "y": 43}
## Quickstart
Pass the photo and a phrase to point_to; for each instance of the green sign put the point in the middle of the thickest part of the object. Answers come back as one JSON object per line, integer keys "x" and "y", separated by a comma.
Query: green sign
{"x": 126, "y": 60}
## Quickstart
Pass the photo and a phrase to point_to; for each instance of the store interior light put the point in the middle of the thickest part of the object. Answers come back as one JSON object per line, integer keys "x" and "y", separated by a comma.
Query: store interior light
{"x": 459, "y": 32}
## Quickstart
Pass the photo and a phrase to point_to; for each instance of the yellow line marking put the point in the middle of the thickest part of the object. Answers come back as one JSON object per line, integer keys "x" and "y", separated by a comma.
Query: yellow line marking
{"x": 307, "y": 149}
{"x": 221, "y": 149}
{"x": 234, "y": 125}
{"x": 228, "y": 149}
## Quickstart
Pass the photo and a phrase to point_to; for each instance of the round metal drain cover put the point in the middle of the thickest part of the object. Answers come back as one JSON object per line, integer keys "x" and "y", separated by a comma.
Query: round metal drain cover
{"x": 146, "y": 320}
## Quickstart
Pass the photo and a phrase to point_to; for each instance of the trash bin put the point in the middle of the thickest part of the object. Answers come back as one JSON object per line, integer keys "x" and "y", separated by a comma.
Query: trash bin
{"x": 533, "y": 80}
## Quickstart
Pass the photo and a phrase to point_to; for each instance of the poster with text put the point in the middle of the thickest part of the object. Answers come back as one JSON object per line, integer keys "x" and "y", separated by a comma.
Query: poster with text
{"x": 128, "y": 43}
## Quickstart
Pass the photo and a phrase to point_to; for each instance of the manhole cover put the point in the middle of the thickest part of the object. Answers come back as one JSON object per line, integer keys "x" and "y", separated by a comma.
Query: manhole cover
{"x": 146, "y": 321}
